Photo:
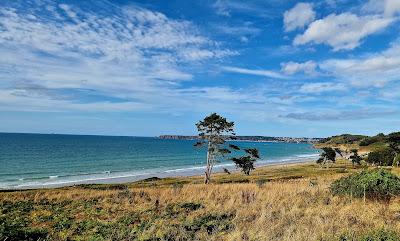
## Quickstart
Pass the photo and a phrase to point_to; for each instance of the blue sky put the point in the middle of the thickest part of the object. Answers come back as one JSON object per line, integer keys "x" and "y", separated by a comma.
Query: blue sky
{"x": 145, "y": 68}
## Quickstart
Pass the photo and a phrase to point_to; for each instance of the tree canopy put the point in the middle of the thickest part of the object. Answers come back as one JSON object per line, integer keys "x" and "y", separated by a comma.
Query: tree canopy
{"x": 327, "y": 154}
{"x": 212, "y": 132}
{"x": 246, "y": 163}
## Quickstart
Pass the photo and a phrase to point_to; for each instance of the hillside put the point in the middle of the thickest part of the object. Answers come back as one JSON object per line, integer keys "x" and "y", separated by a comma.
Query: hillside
{"x": 363, "y": 143}
{"x": 290, "y": 202}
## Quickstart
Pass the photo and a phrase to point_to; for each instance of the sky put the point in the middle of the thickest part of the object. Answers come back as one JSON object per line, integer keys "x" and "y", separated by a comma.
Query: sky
{"x": 146, "y": 68}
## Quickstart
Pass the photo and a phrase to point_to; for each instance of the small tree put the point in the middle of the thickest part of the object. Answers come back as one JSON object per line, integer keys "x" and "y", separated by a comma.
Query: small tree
{"x": 212, "y": 131}
{"x": 355, "y": 158}
{"x": 381, "y": 157}
{"x": 394, "y": 144}
{"x": 246, "y": 163}
{"x": 327, "y": 154}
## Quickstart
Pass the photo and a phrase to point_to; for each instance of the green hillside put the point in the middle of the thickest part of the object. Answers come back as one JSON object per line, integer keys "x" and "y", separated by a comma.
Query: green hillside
{"x": 361, "y": 142}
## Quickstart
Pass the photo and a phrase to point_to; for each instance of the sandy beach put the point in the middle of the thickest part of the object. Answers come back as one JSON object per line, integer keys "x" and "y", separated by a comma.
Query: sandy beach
{"x": 184, "y": 172}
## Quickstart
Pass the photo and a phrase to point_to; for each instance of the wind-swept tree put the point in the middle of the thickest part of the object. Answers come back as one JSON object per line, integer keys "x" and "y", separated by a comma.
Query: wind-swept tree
{"x": 246, "y": 163}
{"x": 212, "y": 132}
{"x": 327, "y": 154}
{"x": 355, "y": 158}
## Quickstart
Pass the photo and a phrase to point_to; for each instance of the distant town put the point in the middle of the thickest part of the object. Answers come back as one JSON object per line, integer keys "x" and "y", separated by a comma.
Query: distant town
{"x": 251, "y": 138}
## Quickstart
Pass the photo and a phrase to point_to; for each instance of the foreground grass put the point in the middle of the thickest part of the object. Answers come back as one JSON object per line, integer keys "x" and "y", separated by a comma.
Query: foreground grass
{"x": 275, "y": 203}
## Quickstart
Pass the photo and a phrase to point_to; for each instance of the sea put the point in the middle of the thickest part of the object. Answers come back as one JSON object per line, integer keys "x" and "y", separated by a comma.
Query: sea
{"x": 54, "y": 160}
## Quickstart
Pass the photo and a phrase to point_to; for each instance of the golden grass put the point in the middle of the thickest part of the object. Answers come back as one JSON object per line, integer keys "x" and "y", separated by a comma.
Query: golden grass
{"x": 295, "y": 204}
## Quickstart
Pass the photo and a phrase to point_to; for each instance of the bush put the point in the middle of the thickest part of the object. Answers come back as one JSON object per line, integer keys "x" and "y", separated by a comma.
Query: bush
{"x": 368, "y": 141}
{"x": 212, "y": 223}
{"x": 191, "y": 206}
{"x": 382, "y": 157}
{"x": 376, "y": 184}
{"x": 374, "y": 235}
{"x": 343, "y": 139}
{"x": 373, "y": 139}
{"x": 14, "y": 230}
{"x": 381, "y": 235}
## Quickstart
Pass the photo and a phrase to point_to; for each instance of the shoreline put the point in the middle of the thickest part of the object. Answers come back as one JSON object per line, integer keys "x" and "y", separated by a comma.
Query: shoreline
{"x": 194, "y": 171}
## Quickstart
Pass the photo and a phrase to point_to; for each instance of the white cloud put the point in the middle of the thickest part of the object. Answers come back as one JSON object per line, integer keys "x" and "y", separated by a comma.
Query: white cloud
{"x": 226, "y": 7}
{"x": 201, "y": 54}
{"x": 132, "y": 53}
{"x": 129, "y": 60}
{"x": 239, "y": 30}
{"x": 22, "y": 100}
{"x": 298, "y": 17}
{"x": 322, "y": 87}
{"x": 242, "y": 32}
{"x": 308, "y": 67}
{"x": 375, "y": 70}
{"x": 387, "y": 7}
{"x": 265, "y": 73}
{"x": 342, "y": 32}
{"x": 71, "y": 14}
{"x": 333, "y": 115}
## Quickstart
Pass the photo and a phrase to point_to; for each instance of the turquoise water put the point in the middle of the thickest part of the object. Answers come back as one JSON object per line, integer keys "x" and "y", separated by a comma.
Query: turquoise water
{"x": 35, "y": 160}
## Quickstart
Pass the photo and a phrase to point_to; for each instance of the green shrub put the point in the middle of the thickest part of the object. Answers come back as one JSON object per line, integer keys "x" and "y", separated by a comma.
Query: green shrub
{"x": 191, "y": 206}
{"x": 211, "y": 223}
{"x": 373, "y": 139}
{"x": 378, "y": 184}
{"x": 374, "y": 235}
{"x": 382, "y": 157}
{"x": 344, "y": 139}
{"x": 381, "y": 235}
{"x": 15, "y": 230}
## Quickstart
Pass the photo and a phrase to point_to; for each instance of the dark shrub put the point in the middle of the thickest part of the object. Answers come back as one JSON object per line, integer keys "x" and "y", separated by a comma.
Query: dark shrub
{"x": 367, "y": 141}
{"x": 191, "y": 206}
{"x": 374, "y": 235}
{"x": 15, "y": 230}
{"x": 378, "y": 184}
{"x": 344, "y": 139}
{"x": 373, "y": 139}
{"x": 382, "y": 157}
{"x": 394, "y": 137}
{"x": 212, "y": 223}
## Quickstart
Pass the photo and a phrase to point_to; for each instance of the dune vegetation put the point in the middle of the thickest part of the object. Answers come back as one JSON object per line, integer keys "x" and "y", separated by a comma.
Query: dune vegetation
{"x": 286, "y": 202}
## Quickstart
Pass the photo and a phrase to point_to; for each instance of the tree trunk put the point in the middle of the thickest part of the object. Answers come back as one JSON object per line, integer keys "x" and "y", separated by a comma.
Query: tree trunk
{"x": 207, "y": 176}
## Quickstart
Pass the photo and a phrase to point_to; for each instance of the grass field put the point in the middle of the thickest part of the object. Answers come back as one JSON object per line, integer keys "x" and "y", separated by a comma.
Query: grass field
{"x": 291, "y": 202}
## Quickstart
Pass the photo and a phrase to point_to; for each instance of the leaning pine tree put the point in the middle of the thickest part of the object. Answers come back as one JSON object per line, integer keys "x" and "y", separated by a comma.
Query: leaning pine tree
{"x": 212, "y": 131}
{"x": 327, "y": 154}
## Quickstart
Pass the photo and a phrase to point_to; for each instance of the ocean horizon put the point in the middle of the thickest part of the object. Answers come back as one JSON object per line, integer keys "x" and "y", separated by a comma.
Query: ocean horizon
{"x": 55, "y": 160}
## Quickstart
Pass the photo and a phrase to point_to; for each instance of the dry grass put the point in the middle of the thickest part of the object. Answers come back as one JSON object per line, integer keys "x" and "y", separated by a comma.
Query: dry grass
{"x": 294, "y": 204}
